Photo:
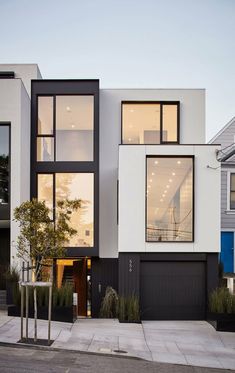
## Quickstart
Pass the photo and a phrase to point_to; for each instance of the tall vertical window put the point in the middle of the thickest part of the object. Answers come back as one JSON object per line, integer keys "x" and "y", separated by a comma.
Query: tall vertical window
{"x": 232, "y": 191}
{"x": 150, "y": 122}
{"x": 65, "y": 128}
{"x": 4, "y": 171}
{"x": 71, "y": 186}
{"x": 169, "y": 197}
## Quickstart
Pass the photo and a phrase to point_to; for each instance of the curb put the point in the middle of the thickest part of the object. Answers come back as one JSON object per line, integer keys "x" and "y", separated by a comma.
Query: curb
{"x": 57, "y": 349}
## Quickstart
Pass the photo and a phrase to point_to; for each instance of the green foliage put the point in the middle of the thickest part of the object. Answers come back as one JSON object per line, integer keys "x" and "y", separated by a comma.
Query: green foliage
{"x": 221, "y": 301}
{"x": 12, "y": 275}
{"x": 62, "y": 297}
{"x": 129, "y": 308}
{"x": 16, "y": 294}
{"x": 122, "y": 311}
{"x": 45, "y": 239}
{"x": 125, "y": 308}
{"x": 109, "y": 306}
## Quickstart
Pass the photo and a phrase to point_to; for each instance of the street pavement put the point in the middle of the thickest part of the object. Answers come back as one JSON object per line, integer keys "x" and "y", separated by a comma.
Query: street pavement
{"x": 25, "y": 360}
{"x": 176, "y": 342}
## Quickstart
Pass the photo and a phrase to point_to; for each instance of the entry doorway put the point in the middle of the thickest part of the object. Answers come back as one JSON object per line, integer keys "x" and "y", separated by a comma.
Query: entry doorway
{"x": 77, "y": 273}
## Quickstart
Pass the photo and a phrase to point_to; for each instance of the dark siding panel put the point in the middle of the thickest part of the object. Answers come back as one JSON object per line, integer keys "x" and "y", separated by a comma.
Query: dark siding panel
{"x": 104, "y": 272}
{"x": 212, "y": 273}
{"x": 129, "y": 274}
{"x": 172, "y": 290}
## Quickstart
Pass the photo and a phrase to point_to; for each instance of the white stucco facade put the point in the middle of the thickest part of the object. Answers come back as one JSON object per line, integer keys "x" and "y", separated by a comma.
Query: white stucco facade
{"x": 192, "y": 131}
{"x": 15, "y": 110}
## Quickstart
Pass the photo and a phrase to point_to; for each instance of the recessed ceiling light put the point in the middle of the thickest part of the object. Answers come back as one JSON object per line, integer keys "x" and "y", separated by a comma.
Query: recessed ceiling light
{"x": 129, "y": 139}
{"x": 163, "y": 195}
{"x": 165, "y": 191}
{"x": 178, "y": 162}
{"x": 149, "y": 186}
{"x": 153, "y": 173}
{"x": 150, "y": 180}
{"x": 68, "y": 108}
{"x": 168, "y": 186}
{"x": 173, "y": 173}
{"x": 161, "y": 200}
{"x": 156, "y": 162}
{"x": 132, "y": 110}
{"x": 170, "y": 180}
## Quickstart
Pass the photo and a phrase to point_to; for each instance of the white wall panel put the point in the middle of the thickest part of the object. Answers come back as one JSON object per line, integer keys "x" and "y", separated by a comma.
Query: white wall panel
{"x": 131, "y": 201}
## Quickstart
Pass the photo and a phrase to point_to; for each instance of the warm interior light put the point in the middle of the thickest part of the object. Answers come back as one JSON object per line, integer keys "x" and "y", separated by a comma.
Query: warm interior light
{"x": 173, "y": 173}
{"x": 170, "y": 180}
{"x": 156, "y": 162}
{"x": 129, "y": 139}
{"x": 178, "y": 162}
{"x": 132, "y": 110}
{"x": 68, "y": 109}
{"x": 150, "y": 180}
{"x": 161, "y": 200}
{"x": 73, "y": 126}
{"x": 168, "y": 186}
{"x": 163, "y": 195}
{"x": 153, "y": 173}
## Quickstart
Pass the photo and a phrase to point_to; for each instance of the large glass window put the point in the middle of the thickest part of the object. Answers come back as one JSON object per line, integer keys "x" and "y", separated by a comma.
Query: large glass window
{"x": 4, "y": 172}
{"x": 74, "y": 128}
{"x": 73, "y": 120}
{"x": 45, "y": 190}
{"x": 169, "y": 194}
{"x": 232, "y": 191}
{"x": 149, "y": 123}
{"x": 72, "y": 186}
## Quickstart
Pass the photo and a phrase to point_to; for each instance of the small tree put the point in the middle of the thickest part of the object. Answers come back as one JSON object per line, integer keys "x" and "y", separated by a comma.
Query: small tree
{"x": 40, "y": 238}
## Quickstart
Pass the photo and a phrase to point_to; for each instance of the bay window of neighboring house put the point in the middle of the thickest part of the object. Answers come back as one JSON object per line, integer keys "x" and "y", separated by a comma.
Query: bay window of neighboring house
{"x": 232, "y": 192}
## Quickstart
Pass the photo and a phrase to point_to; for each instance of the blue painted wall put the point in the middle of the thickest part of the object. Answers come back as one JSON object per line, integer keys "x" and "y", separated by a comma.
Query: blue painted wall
{"x": 227, "y": 251}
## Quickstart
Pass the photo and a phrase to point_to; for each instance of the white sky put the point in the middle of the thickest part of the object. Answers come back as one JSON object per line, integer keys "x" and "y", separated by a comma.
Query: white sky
{"x": 129, "y": 43}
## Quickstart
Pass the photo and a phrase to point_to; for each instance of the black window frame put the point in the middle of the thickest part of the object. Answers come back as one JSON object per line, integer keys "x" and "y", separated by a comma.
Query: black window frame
{"x": 231, "y": 191}
{"x": 7, "y": 213}
{"x": 192, "y": 157}
{"x": 68, "y": 87}
{"x": 53, "y": 135}
{"x": 161, "y": 103}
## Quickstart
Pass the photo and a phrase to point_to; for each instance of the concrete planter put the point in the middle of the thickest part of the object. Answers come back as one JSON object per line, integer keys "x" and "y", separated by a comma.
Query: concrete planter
{"x": 64, "y": 314}
{"x": 223, "y": 322}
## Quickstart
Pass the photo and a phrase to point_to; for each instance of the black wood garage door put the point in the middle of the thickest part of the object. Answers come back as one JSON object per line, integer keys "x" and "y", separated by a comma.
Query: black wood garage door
{"x": 172, "y": 290}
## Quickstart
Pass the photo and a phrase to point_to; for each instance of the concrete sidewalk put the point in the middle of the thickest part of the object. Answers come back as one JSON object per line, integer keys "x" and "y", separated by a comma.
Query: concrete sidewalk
{"x": 193, "y": 343}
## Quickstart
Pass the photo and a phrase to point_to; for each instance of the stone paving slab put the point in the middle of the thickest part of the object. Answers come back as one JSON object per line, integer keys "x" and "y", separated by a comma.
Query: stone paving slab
{"x": 194, "y": 343}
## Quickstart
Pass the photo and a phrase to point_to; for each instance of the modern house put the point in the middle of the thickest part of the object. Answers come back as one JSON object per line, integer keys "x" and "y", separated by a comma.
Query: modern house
{"x": 226, "y": 137}
{"x": 150, "y": 187}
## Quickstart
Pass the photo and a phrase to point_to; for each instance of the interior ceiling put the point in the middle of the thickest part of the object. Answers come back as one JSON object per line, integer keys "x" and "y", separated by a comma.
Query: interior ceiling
{"x": 72, "y": 112}
{"x": 162, "y": 184}
{"x": 139, "y": 117}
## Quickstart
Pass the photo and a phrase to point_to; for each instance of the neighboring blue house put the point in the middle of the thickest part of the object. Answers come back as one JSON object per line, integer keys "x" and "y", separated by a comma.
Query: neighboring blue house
{"x": 226, "y": 137}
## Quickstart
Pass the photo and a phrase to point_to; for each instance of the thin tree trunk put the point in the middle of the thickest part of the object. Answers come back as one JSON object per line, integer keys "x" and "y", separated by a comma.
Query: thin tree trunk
{"x": 35, "y": 313}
